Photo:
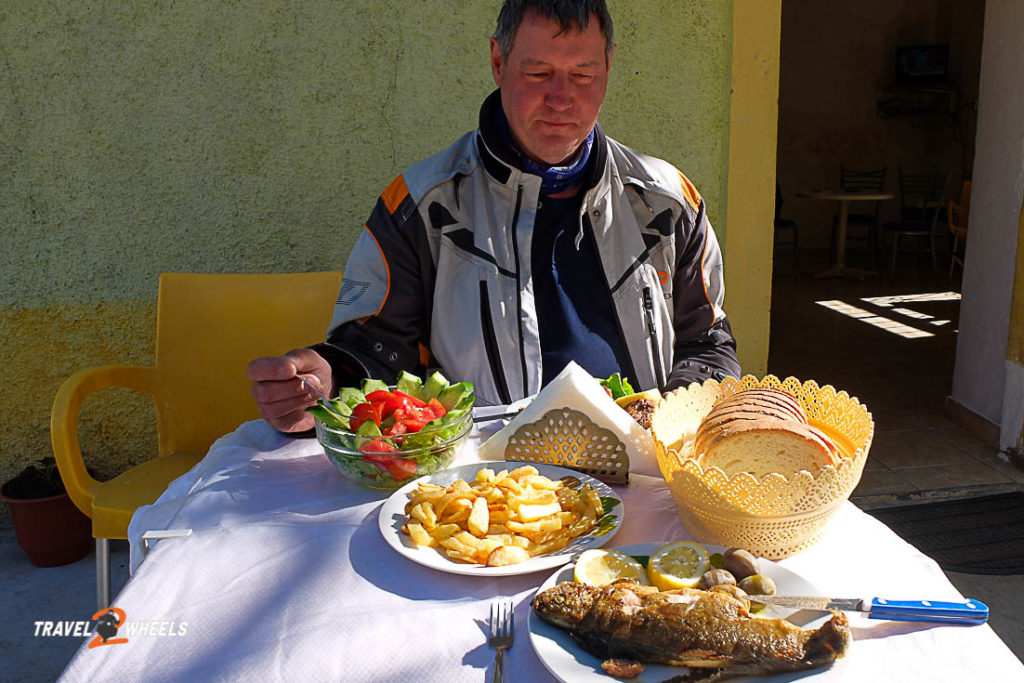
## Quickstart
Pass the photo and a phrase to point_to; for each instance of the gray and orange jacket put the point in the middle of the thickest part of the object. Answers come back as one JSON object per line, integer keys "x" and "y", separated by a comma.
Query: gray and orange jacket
{"x": 440, "y": 276}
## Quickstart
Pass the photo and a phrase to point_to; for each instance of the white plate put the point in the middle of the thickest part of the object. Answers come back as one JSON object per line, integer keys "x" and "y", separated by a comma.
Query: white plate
{"x": 567, "y": 661}
{"x": 392, "y": 517}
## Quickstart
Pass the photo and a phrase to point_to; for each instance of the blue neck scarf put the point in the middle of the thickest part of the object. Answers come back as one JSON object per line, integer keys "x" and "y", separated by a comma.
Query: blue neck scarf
{"x": 554, "y": 179}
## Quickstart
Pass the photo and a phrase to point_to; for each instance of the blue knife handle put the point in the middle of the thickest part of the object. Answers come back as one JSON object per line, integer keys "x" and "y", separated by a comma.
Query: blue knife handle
{"x": 970, "y": 612}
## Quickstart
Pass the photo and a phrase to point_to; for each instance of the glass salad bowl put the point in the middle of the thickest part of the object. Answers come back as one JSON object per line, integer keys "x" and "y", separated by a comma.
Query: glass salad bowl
{"x": 395, "y": 435}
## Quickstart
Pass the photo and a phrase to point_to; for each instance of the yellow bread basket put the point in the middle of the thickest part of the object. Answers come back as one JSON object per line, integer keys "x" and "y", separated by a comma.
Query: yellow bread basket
{"x": 782, "y": 513}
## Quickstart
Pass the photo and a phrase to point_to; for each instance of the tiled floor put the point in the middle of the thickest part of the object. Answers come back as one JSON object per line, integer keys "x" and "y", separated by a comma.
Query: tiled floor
{"x": 875, "y": 350}
{"x": 918, "y": 453}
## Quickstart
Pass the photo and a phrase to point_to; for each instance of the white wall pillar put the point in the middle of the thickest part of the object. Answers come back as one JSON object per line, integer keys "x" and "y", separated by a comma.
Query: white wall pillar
{"x": 980, "y": 376}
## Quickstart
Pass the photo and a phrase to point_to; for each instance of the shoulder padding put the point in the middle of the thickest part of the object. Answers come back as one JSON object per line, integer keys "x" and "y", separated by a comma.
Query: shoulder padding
{"x": 654, "y": 175}
{"x": 425, "y": 175}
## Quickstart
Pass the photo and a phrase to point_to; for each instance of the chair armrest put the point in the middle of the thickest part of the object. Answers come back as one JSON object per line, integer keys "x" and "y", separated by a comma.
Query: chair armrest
{"x": 64, "y": 422}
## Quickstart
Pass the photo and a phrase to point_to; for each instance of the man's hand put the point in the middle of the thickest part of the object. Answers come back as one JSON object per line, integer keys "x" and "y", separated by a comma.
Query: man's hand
{"x": 280, "y": 396}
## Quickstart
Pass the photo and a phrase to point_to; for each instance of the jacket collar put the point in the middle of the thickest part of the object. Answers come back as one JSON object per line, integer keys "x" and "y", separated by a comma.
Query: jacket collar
{"x": 500, "y": 159}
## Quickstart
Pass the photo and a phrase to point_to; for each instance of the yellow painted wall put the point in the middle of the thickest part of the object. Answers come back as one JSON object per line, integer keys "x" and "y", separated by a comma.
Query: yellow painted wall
{"x": 753, "y": 126}
{"x": 1015, "y": 338}
{"x": 144, "y": 137}
{"x": 1015, "y": 356}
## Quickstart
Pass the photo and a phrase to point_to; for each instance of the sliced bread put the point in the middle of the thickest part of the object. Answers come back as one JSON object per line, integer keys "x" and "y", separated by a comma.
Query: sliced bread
{"x": 762, "y": 430}
{"x": 769, "y": 445}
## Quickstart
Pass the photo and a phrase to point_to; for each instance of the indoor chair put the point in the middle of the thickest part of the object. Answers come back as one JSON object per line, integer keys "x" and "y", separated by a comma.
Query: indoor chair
{"x": 920, "y": 202}
{"x": 956, "y": 218}
{"x": 784, "y": 225}
{"x": 208, "y": 328}
{"x": 862, "y": 226}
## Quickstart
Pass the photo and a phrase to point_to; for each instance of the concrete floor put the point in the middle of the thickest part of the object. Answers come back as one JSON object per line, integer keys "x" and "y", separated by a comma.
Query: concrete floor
{"x": 34, "y": 594}
{"x": 918, "y": 453}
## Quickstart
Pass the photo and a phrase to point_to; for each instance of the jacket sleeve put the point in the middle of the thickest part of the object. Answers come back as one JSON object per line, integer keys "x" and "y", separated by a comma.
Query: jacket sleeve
{"x": 381, "y": 322}
{"x": 704, "y": 344}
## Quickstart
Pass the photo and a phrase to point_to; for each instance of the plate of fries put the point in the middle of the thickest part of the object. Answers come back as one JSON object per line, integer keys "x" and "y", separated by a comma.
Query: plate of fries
{"x": 499, "y": 518}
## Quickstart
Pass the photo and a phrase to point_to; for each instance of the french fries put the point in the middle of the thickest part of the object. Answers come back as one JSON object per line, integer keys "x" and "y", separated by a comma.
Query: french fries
{"x": 500, "y": 518}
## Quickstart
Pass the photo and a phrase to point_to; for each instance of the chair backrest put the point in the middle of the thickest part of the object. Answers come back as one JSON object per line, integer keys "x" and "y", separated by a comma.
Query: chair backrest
{"x": 958, "y": 212}
{"x": 851, "y": 180}
{"x": 209, "y": 326}
{"x": 921, "y": 194}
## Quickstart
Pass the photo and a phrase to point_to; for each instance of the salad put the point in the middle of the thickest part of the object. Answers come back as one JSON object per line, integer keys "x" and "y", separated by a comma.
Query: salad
{"x": 389, "y": 434}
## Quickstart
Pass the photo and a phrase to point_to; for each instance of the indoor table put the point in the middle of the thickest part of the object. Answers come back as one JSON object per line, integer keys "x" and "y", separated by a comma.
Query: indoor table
{"x": 839, "y": 268}
{"x": 286, "y": 576}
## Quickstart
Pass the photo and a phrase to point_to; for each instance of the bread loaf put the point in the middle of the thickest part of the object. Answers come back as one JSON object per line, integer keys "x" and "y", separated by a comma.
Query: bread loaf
{"x": 761, "y": 431}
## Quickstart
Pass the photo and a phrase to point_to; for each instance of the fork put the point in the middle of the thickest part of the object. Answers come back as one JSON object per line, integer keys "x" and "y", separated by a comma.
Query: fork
{"x": 325, "y": 402}
{"x": 502, "y": 633}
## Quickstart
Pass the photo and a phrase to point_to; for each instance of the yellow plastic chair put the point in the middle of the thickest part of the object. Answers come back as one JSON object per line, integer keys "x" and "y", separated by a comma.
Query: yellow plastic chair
{"x": 209, "y": 326}
{"x": 956, "y": 217}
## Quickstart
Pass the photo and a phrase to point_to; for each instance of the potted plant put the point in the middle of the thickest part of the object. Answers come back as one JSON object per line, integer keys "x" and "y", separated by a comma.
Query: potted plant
{"x": 49, "y": 528}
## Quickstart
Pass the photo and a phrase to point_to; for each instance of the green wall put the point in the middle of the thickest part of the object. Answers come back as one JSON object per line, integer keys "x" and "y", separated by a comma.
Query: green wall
{"x": 143, "y": 137}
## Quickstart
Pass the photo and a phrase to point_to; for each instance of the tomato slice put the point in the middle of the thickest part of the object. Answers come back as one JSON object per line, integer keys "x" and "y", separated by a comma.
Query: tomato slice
{"x": 412, "y": 424}
{"x": 435, "y": 410}
{"x": 362, "y": 413}
{"x": 398, "y": 467}
{"x": 377, "y": 449}
{"x": 410, "y": 400}
{"x": 399, "y": 427}
{"x": 379, "y": 396}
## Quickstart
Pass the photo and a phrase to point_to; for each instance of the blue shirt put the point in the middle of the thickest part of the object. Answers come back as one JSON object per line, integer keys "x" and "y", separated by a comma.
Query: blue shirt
{"x": 574, "y": 309}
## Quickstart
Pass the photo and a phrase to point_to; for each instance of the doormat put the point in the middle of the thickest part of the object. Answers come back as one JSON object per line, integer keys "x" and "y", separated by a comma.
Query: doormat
{"x": 983, "y": 535}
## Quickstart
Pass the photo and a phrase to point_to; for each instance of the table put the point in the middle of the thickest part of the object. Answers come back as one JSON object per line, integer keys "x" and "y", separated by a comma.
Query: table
{"x": 286, "y": 577}
{"x": 839, "y": 268}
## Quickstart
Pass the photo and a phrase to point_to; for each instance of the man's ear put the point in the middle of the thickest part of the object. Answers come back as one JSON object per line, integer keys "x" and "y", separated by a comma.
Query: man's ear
{"x": 497, "y": 64}
{"x": 608, "y": 59}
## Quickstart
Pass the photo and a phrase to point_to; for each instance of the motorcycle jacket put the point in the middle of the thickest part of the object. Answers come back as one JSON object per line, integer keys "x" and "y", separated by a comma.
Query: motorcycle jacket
{"x": 441, "y": 275}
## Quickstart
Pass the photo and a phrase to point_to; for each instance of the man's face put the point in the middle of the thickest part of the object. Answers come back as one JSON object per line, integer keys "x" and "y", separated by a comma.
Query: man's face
{"x": 551, "y": 86}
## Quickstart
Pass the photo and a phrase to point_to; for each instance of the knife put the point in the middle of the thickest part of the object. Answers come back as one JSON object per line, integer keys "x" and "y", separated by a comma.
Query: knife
{"x": 968, "y": 612}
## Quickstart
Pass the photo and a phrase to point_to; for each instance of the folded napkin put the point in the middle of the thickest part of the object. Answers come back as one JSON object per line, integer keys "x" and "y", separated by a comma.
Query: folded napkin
{"x": 576, "y": 389}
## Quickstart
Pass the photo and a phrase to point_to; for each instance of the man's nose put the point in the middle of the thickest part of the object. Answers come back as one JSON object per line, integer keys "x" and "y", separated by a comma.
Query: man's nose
{"x": 559, "y": 95}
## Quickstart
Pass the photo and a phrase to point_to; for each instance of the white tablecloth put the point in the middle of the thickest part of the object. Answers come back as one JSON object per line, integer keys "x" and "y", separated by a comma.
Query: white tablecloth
{"x": 286, "y": 577}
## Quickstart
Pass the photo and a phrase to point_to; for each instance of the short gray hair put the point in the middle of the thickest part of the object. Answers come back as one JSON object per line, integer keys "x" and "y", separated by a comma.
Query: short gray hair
{"x": 571, "y": 15}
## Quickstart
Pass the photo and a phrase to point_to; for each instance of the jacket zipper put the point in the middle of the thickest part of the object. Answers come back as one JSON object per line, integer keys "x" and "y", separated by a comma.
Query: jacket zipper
{"x": 630, "y": 371}
{"x": 519, "y": 289}
{"x": 652, "y": 333}
{"x": 491, "y": 345}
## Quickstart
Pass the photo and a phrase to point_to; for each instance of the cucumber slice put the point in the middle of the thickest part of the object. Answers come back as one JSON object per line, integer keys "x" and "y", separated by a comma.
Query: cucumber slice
{"x": 326, "y": 416}
{"x": 368, "y": 429}
{"x": 372, "y": 385}
{"x": 409, "y": 383}
{"x": 452, "y": 394}
{"x": 434, "y": 385}
{"x": 350, "y": 397}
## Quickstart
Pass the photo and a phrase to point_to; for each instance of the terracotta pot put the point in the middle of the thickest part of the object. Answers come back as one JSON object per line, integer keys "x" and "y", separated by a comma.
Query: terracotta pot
{"x": 51, "y": 530}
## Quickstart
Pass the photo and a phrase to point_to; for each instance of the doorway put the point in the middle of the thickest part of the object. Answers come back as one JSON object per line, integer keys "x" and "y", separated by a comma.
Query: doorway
{"x": 872, "y": 85}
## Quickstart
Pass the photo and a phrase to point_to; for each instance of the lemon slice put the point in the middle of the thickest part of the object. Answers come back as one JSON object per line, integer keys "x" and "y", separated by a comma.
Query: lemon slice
{"x": 678, "y": 565}
{"x": 652, "y": 394}
{"x": 598, "y": 567}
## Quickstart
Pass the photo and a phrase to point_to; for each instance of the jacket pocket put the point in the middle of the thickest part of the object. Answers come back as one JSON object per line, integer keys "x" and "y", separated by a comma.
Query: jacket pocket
{"x": 491, "y": 345}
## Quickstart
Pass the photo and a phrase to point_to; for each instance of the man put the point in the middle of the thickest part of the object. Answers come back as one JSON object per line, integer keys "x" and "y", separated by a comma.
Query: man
{"x": 532, "y": 241}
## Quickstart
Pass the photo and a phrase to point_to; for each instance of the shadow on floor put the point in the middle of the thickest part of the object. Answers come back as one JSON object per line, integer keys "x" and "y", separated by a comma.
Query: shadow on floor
{"x": 892, "y": 344}
{"x": 57, "y": 594}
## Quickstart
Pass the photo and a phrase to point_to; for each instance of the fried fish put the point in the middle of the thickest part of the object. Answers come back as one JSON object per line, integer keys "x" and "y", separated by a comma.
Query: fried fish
{"x": 711, "y": 633}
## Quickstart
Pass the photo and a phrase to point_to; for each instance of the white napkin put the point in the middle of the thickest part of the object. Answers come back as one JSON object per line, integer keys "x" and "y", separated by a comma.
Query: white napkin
{"x": 574, "y": 388}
